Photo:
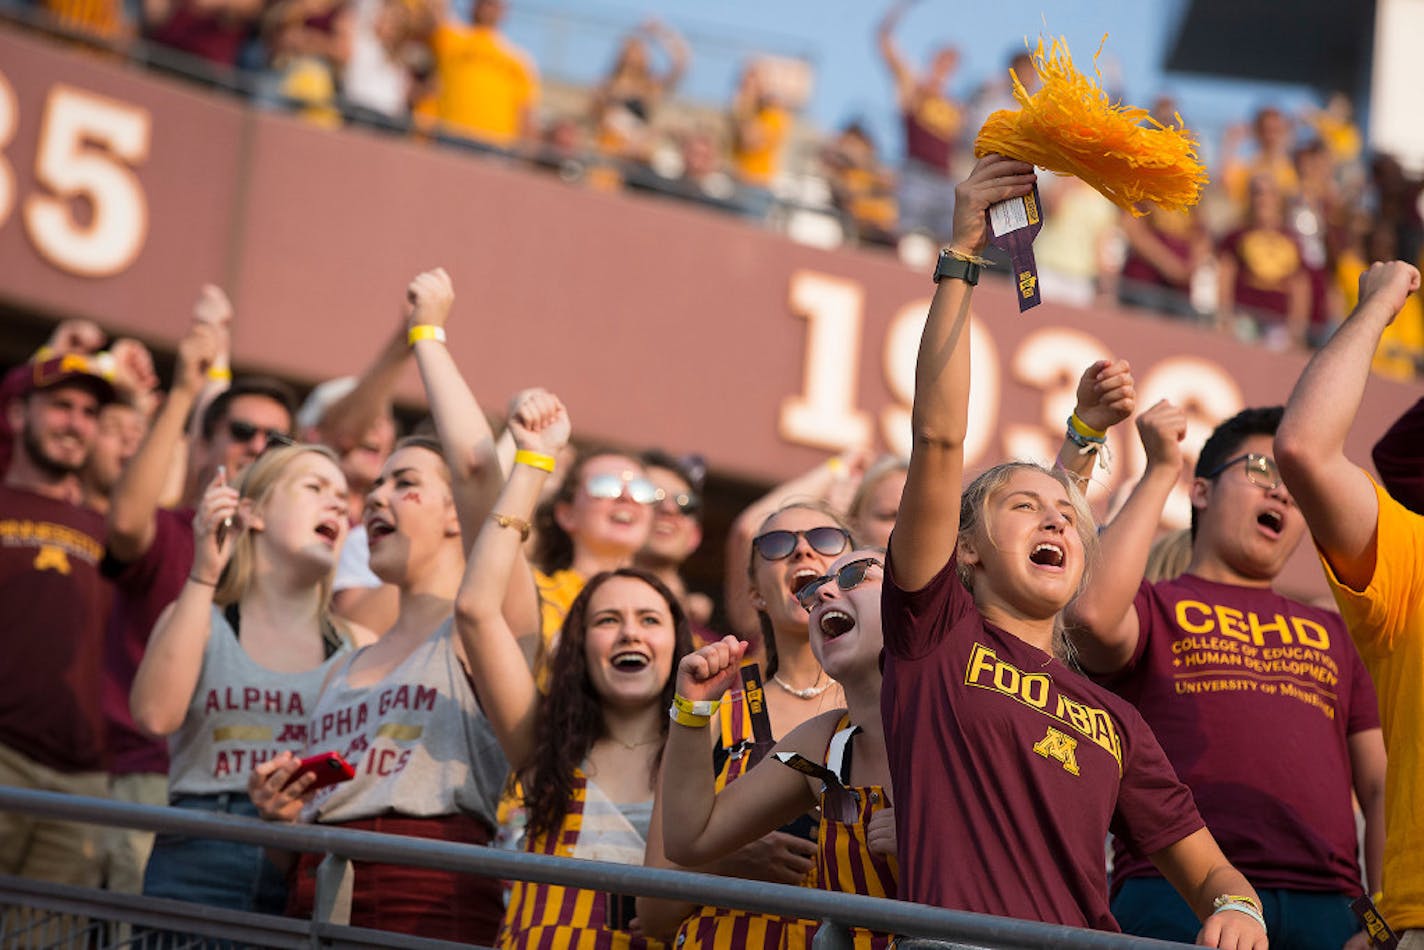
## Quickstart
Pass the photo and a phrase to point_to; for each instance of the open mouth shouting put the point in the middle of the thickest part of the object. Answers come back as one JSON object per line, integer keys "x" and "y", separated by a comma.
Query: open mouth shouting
{"x": 376, "y": 530}
{"x": 1272, "y": 522}
{"x": 834, "y": 623}
{"x": 330, "y": 530}
{"x": 800, "y": 578}
{"x": 630, "y": 661}
{"x": 1048, "y": 554}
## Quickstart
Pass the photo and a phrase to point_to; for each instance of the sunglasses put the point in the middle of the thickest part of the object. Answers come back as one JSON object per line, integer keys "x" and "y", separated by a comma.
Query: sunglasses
{"x": 848, "y": 578}
{"x": 778, "y": 544}
{"x": 244, "y": 431}
{"x": 610, "y": 486}
{"x": 686, "y": 502}
{"x": 1260, "y": 470}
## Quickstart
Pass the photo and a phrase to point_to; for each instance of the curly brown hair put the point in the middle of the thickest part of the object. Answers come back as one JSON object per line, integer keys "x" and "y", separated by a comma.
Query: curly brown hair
{"x": 570, "y": 715}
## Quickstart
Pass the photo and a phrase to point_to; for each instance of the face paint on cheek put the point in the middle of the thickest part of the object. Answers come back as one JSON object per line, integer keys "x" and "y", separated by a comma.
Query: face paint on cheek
{"x": 411, "y": 496}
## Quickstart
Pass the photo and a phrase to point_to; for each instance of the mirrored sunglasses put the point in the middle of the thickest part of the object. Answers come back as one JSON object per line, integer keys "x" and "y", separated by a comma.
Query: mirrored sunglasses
{"x": 610, "y": 486}
{"x": 848, "y": 578}
{"x": 778, "y": 544}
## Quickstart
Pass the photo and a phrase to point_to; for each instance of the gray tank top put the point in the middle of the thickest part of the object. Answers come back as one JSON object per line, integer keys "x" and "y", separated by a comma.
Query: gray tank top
{"x": 418, "y": 740}
{"x": 241, "y": 715}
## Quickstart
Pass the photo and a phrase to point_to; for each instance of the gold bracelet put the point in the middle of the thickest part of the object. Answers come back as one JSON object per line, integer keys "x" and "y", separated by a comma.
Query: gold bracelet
{"x": 1237, "y": 899}
{"x": 425, "y": 331}
{"x": 545, "y": 463}
{"x": 971, "y": 258}
{"x": 687, "y": 719}
{"x": 509, "y": 521}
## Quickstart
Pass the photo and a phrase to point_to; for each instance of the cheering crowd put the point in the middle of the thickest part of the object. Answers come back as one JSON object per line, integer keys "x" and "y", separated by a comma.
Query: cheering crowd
{"x": 941, "y": 689}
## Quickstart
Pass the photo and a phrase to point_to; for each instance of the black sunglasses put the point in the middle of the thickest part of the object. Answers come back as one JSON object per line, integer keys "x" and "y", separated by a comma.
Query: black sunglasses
{"x": 1260, "y": 470}
{"x": 848, "y": 578}
{"x": 244, "y": 431}
{"x": 778, "y": 544}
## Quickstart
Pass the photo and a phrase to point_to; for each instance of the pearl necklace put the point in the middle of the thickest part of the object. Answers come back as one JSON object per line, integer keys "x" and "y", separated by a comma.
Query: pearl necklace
{"x": 810, "y": 692}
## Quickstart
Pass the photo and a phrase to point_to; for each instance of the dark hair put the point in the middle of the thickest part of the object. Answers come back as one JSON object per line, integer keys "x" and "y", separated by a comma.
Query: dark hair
{"x": 768, "y": 634}
{"x": 553, "y": 546}
{"x": 690, "y": 468}
{"x": 266, "y": 386}
{"x": 570, "y": 717}
{"x": 1225, "y": 440}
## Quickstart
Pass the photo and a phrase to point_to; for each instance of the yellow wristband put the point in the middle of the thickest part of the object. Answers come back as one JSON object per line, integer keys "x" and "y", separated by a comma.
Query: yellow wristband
{"x": 701, "y": 707}
{"x": 836, "y": 465}
{"x": 425, "y": 331}
{"x": 539, "y": 460}
{"x": 1237, "y": 899}
{"x": 1085, "y": 430}
{"x": 220, "y": 374}
{"x": 687, "y": 719}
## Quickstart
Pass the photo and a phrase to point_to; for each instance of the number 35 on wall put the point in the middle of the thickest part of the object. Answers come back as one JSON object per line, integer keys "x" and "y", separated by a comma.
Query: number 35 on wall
{"x": 88, "y": 215}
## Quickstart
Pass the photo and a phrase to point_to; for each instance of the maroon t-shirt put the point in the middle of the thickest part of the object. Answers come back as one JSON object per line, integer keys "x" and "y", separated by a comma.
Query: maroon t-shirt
{"x": 142, "y": 589}
{"x": 53, "y": 606}
{"x": 1266, "y": 259}
{"x": 1253, "y": 697}
{"x": 1009, "y": 768}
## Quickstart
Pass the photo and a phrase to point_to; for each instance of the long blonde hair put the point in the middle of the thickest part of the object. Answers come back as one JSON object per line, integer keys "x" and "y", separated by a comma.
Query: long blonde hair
{"x": 973, "y": 511}
{"x": 256, "y": 484}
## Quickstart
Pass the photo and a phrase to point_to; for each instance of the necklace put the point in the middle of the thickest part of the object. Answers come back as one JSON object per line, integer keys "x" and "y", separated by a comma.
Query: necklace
{"x": 630, "y": 746}
{"x": 810, "y": 692}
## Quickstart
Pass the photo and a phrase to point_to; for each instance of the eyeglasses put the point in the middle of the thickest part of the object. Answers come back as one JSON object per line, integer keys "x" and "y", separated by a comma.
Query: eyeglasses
{"x": 849, "y": 577}
{"x": 778, "y": 544}
{"x": 242, "y": 431}
{"x": 1260, "y": 470}
{"x": 609, "y": 486}
{"x": 687, "y": 503}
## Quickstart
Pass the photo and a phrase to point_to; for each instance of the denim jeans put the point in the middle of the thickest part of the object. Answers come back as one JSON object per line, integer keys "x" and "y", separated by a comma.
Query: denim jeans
{"x": 217, "y": 873}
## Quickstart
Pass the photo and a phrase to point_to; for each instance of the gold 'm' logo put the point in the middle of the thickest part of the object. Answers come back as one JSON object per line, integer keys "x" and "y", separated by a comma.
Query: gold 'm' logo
{"x": 52, "y": 558}
{"x": 1055, "y": 745}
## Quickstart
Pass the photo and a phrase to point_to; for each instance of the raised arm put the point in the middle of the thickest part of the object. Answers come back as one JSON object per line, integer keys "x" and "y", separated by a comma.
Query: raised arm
{"x": 134, "y": 512}
{"x": 506, "y": 686}
{"x": 895, "y": 61}
{"x": 699, "y": 825}
{"x": 1199, "y": 871}
{"x": 1334, "y": 494}
{"x": 166, "y": 678}
{"x": 345, "y": 423}
{"x": 927, "y": 525}
{"x": 677, "y": 52}
{"x": 1102, "y": 620}
{"x": 1107, "y": 394}
{"x": 463, "y": 428}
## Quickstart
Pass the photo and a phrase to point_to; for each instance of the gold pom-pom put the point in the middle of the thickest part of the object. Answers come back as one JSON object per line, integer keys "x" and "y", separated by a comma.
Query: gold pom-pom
{"x": 1071, "y": 127}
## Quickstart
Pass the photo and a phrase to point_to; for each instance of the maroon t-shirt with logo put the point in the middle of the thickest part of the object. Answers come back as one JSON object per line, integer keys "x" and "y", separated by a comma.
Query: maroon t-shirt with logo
{"x": 1010, "y": 768}
{"x": 53, "y": 605}
{"x": 142, "y": 589}
{"x": 1253, "y": 697}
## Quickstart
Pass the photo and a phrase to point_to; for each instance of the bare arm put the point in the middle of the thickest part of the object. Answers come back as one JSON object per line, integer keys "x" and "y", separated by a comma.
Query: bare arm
{"x": 899, "y": 69}
{"x": 1367, "y": 766}
{"x": 173, "y": 660}
{"x": 927, "y": 525}
{"x": 464, "y": 432}
{"x": 1141, "y": 239}
{"x": 506, "y": 686}
{"x": 134, "y": 512}
{"x": 1334, "y": 494}
{"x": 677, "y": 52}
{"x": 1107, "y": 395}
{"x": 700, "y": 825}
{"x": 1103, "y": 622}
{"x": 1199, "y": 871}
{"x": 346, "y": 422}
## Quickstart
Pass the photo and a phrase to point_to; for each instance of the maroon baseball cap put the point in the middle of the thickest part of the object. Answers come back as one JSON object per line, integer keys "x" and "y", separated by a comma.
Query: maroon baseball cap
{"x": 55, "y": 371}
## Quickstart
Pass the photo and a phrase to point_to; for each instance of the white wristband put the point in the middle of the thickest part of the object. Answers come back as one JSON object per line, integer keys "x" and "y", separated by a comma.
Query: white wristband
{"x": 1243, "y": 908}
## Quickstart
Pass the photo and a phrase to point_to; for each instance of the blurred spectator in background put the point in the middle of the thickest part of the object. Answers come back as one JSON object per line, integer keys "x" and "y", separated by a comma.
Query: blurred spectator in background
{"x": 1395, "y": 200}
{"x": 485, "y": 87}
{"x": 309, "y": 42}
{"x": 933, "y": 124}
{"x": 623, "y": 104}
{"x": 1272, "y": 138}
{"x": 102, "y": 19}
{"x": 379, "y": 75}
{"x": 1075, "y": 248}
{"x": 862, "y": 187}
{"x": 1164, "y": 250}
{"x": 876, "y": 501}
{"x": 1314, "y": 214}
{"x": 215, "y": 30}
{"x": 53, "y": 606}
{"x": 997, "y": 93}
{"x": 1260, "y": 273}
{"x": 760, "y": 128}
{"x": 1400, "y": 354}
{"x": 677, "y": 531}
{"x": 1335, "y": 124}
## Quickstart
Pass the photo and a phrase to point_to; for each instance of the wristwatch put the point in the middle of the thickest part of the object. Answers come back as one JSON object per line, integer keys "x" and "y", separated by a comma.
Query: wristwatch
{"x": 956, "y": 269}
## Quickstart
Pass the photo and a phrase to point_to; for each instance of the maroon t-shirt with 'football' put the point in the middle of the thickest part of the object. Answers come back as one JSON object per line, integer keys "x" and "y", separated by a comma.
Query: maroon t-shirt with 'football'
{"x": 1009, "y": 768}
{"x": 1254, "y": 697}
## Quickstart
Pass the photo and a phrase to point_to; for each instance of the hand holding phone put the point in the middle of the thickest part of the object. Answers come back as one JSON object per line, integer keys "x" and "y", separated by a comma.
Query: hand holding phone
{"x": 328, "y": 767}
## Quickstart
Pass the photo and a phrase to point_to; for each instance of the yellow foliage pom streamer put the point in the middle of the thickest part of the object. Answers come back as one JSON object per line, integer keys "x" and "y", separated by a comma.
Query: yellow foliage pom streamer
{"x": 1071, "y": 127}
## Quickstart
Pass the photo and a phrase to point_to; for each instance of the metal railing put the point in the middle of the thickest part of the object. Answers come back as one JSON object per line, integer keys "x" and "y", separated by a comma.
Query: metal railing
{"x": 839, "y": 912}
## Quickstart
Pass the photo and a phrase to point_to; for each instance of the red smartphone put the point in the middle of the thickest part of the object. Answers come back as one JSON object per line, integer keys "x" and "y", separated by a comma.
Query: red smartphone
{"x": 328, "y": 767}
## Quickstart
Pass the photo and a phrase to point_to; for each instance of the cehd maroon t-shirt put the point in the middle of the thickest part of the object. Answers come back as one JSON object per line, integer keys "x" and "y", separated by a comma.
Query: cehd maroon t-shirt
{"x": 1009, "y": 768}
{"x": 142, "y": 589}
{"x": 1253, "y": 697}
